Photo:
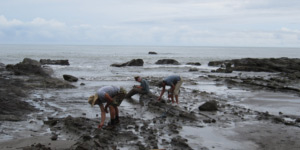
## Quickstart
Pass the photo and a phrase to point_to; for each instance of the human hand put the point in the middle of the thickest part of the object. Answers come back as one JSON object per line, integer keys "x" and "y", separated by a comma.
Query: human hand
{"x": 100, "y": 126}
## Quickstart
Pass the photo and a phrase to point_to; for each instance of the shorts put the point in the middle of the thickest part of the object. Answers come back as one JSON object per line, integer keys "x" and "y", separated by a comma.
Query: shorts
{"x": 117, "y": 100}
{"x": 177, "y": 87}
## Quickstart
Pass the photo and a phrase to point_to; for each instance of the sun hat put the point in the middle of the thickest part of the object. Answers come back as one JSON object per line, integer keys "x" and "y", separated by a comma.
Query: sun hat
{"x": 92, "y": 99}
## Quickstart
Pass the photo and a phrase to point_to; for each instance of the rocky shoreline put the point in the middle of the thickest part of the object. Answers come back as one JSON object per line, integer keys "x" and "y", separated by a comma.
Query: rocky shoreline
{"x": 20, "y": 80}
{"x": 264, "y": 130}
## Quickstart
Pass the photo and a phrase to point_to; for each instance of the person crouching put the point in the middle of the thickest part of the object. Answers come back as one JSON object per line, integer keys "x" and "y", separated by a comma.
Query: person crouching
{"x": 113, "y": 97}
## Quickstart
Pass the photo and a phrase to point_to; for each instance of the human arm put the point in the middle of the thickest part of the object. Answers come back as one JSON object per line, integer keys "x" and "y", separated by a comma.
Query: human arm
{"x": 103, "y": 116}
{"x": 162, "y": 92}
{"x": 109, "y": 101}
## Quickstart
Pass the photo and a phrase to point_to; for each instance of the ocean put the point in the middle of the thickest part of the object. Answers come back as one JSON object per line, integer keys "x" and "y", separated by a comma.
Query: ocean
{"x": 95, "y": 61}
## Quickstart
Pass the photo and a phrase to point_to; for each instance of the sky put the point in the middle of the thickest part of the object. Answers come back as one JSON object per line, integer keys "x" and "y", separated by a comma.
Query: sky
{"x": 242, "y": 23}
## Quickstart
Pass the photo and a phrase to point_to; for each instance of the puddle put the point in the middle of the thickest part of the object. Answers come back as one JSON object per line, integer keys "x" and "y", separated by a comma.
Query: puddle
{"x": 213, "y": 138}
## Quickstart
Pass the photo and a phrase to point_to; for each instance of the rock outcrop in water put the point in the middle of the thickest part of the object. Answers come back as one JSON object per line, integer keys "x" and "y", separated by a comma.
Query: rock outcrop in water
{"x": 70, "y": 78}
{"x": 152, "y": 53}
{"x": 54, "y": 62}
{"x": 27, "y": 67}
{"x": 288, "y": 65}
{"x": 167, "y": 62}
{"x": 194, "y": 63}
{"x": 133, "y": 62}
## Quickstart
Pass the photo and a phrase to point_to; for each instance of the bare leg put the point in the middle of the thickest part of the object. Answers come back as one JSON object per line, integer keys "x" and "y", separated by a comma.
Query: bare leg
{"x": 172, "y": 98}
{"x": 176, "y": 97}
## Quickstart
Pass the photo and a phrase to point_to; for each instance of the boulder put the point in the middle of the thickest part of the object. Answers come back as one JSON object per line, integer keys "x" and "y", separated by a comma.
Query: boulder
{"x": 54, "y": 62}
{"x": 70, "y": 78}
{"x": 193, "y": 69}
{"x": 216, "y": 63}
{"x": 136, "y": 62}
{"x": 286, "y": 65}
{"x": 211, "y": 105}
{"x": 26, "y": 67}
{"x": 194, "y": 63}
{"x": 133, "y": 62}
{"x": 152, "y": 53}
{"x": 222, "y": 70}
{"x": 167, "y": 61}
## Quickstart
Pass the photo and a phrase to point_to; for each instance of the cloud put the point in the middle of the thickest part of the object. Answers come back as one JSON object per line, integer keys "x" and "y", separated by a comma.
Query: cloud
{"x": 155, "y": 22}
{"x": 40, "y": 30}
{"x": 4, "y": 22}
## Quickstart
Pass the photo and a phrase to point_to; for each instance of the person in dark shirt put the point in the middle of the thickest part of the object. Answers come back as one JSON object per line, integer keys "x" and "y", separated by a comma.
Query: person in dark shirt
{"x": 143, "y": 88}
{"x": 175, "y": 82}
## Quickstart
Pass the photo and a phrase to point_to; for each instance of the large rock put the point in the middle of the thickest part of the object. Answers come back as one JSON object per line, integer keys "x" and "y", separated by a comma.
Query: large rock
{"x": 152, "y": 53}
{"x": 54, "y": 62}
{"x": 287, "y": 65}
{"x": 26, "y": 67}
{"x": 194, "y": 63}
{"x": 167, "y": 61}
{"x": 133, "y": 62}
{"x": 228, "y": 69}
{"x": 209, "y": 106}
{"x": 70, "y": 78}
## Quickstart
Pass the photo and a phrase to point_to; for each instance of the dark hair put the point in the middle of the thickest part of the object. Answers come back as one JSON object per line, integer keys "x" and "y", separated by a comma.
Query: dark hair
{"x": 136, "y": 78}
{"x": 161, "y": 84}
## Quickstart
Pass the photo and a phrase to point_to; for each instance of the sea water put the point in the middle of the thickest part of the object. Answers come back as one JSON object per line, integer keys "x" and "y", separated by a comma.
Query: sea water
{"x": 94, "y": 61}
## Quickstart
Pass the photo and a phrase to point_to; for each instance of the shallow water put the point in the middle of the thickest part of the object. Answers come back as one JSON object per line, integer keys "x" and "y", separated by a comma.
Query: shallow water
{"x": 214, "y": 138}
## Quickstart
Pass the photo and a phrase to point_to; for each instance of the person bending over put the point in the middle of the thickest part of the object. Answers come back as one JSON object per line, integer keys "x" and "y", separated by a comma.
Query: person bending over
{"x": 175, "y": 82}
{"x": 112, "y": 97}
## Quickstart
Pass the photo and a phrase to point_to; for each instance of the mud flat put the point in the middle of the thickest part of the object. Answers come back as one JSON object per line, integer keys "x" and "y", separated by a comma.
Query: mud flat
{"x": 254, "y": 109}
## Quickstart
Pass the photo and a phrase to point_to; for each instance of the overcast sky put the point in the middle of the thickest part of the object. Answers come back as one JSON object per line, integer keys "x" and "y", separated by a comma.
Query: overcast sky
{"x": 266, "y": 23}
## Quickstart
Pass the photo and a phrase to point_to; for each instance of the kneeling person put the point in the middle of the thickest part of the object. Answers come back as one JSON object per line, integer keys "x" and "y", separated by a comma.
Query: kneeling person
{"x": 113, "y": 97}
{"x": 143, "y": 88}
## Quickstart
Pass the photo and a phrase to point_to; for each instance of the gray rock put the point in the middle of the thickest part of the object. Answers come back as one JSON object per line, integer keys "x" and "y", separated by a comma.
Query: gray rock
{"x": 133, "y": 62}
{"x": 193, "y": 69}
{"x": 153, "y": 53}
{"x": 288, "y": 65}
{"x": 26, "y": 67}
{"x": 194, "y": 63}
{"x": 54, "y": 62}
{"x": 167, "y": 61}
{"x": 70, "y": 78}
{"x": 211, "y": 105}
